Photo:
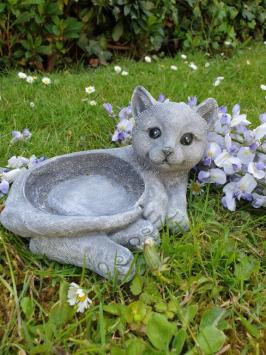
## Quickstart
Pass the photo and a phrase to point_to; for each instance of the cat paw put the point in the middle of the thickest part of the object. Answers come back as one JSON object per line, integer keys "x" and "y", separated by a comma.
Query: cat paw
{"x": 177, "y": 221}
{"x": 119, "y": 264}
{"x": 134, "y": 236}
{"x": 155, "y": 212}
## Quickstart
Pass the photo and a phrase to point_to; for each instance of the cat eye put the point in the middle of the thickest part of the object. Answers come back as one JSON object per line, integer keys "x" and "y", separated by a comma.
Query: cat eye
{"x": 187, "y": 139}
{"x": 155, "y": 132}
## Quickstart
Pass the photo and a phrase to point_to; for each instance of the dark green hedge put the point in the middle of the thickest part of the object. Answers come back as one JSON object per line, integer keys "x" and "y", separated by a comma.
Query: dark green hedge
{"x": 46, "y": 33}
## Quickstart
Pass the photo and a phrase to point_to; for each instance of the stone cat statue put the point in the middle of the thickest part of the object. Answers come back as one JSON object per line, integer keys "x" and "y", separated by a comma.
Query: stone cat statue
{"x": 168, "y": 139}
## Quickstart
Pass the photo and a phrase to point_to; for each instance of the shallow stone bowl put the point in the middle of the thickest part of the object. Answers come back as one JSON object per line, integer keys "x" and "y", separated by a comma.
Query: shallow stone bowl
{"x": 74, "y": 194}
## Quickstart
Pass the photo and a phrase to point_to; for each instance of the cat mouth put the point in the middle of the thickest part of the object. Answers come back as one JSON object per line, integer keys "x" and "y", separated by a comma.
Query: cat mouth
{"x": 162, "y": 162}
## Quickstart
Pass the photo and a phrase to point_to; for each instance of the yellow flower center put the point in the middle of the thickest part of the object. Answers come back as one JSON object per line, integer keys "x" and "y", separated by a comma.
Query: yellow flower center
{"x": 82, "y": 298}
{"x": 195, "y": 187}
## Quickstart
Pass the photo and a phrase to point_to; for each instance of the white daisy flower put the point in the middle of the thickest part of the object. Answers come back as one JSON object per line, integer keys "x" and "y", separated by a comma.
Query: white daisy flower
{"x": 124, "y": 73}
{"x": 117, "y": 69}
{"x": 173, "y": 67}
{"x": 218, "y": 80}
{"x": 22, "y": 75}
{"x": 30, "y": 79}
{"x": 183, "y": 56}
{"x": 195, "y": 187}
{"x": 263, "y": 87}
{"x": 207, "y": 65}
{"x": 193, "y": 66}
{"x": 90, "y": 89}
{"x": 32, "y": 104}
{"x": 77, "y": 296}
{"x": 93, "y": 103}
{"x": 147, "y": 59}
{"x": 46, "y": 81}
{"x": 228, "y": 43}
{"x": 248, "y": 62}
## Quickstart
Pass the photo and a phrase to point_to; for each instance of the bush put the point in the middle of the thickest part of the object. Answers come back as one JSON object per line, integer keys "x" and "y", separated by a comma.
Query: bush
{"x": 46, "y": 33}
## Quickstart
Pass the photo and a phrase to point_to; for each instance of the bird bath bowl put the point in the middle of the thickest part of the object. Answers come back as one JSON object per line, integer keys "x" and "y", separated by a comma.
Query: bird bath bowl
{"x": 73, "y": 194}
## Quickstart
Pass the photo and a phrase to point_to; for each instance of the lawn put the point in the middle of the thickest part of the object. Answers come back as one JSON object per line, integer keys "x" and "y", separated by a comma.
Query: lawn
{"x": 214, "y": 290}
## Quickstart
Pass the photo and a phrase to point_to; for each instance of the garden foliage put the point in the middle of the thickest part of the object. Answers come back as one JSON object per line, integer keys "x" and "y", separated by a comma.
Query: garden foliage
{"x": 46, "y": 33}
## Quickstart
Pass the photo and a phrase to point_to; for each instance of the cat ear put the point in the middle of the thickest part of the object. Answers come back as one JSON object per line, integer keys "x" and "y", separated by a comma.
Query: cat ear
{"x": 208, "y": 109}
{"x": 141, "y": 100}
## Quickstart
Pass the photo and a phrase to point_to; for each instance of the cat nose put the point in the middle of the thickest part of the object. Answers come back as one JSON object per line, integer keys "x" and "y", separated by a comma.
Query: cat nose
{"x": 167, "y": 150}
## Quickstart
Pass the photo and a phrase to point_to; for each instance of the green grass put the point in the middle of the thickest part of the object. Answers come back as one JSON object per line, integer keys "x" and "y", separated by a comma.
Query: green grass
{"x": 216, "y": 270}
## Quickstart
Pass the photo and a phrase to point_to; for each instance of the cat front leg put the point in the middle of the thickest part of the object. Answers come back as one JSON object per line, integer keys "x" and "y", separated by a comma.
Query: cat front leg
{"x": 155, "y": 202}
{"x": 177, "y": 218}
{"x": 96, "y": 252}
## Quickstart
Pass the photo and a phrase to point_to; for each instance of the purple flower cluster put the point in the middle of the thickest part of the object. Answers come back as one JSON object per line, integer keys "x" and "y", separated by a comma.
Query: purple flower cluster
{"x": 235, "y": 158}
{"x": 20, "y": 136}
{"x": 124, "y": 126}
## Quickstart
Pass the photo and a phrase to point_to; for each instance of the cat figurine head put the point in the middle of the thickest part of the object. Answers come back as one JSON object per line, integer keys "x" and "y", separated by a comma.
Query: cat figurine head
{"x": 170, "y": 136}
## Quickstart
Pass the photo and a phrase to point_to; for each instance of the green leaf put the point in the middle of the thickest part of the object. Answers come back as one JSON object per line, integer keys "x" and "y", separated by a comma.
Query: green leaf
{"x": 187, "y": 314}
{"x": 246, "y": 267}
{"x": 117, "y": 31}
{"x": 135, "y": 347}
{"x": 160, "y": 331}
{"x": 26, "y": 44}
{"x": 42, "y": 349}
{"x": 46, "y": 50}
{"x": 210, "y": 339}
{"x": 112, "y": 308}
{"x": 251, "y": 328}
{"x": 136, "y": 285}
{"x": 211, "y": 317}
{"x": 24, "y": 17}
{"x": 179, "y": 341}
{"x": 138, "y": 311}
{"x": 27, "y": 306}
{"x": 72, "y": 27}
{"x": 2, "y": 7}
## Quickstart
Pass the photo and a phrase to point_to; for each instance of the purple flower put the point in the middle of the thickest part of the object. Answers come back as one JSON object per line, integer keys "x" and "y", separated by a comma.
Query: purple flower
{"x": 33, "y": 161}
{"x": 109, "y": 108}
{"x": 238, "y": 119}
{"x": 214, "y": 176}
{"x": 236, "y": 109}
{"x": 229, "y": 163}
{"x": 26, "y": 133}
{"x": 263, "y": 117}
{"x": 4, "y": 187}
{"x": 257, "y": 170}
{"x": 228, "y": 201}
{"x": 225, "y": 119}
{"x": 238, "y": 189}
{"x": 161, "y": 98}
{"x": 123, "y": 131}
{"x": 192, "y": 101}
{"x": 17, "y": 136}
{"x": 260, "y": 131}
{"x": 125, "y": 113}
{"x": 245, "y": 155}
{"x": 254, "y": 146}
{"x": 258, "y": 200}
{"x": 222, "y": 109}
